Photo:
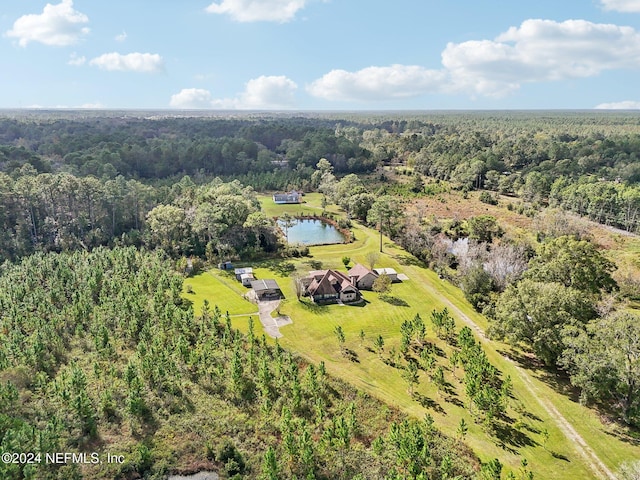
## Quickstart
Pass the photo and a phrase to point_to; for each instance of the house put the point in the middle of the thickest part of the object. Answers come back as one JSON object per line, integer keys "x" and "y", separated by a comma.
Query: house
{"x": 266, "y": 289}
{"x": 289, "y": 197}
{"x": 362, "y": 277}
{"x": 242, "y": 271}
{"x": 390, "y": 272}
{"x": 330, "y": 286}
{"x": 225, "y": 266}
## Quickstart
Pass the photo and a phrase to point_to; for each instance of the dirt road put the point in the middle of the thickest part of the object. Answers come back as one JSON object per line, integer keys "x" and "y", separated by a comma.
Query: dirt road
{"x": 579, "y": 443}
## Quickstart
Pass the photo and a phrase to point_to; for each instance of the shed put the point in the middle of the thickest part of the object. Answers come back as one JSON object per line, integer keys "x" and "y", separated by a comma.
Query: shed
{"x": 246, "y": 279}
{"x": 390, "y": 272}
{"x": 241, "y": 271}
{"x": 225, "y": 265}
{"x": 266, "y": 289}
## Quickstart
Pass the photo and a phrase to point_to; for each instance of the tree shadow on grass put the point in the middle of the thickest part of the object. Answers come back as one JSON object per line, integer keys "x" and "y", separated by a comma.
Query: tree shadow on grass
{"x": 510, "y": 438}
{"x": 314, "y": 264}
{"x": 427, "y": 402}
{"x": 559, "y": 456}
{"x": 361, "y": 303}
{"x": 351, "y": 355}
{"x": 410, "y": 260}
{"x": 312, "y": 306}
{"x": 633, "y": 438}
{"x": 281, "y": 267}
{"x": 390, "y": 299}
{"x": 453, "y": 399}
{"x": 556, "y": 379}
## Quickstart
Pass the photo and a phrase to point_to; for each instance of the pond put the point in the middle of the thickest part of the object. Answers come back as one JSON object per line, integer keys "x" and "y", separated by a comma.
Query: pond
{"x": 312, "y": 231}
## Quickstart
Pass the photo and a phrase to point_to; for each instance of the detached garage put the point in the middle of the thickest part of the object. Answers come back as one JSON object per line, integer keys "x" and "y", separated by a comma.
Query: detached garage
{"x": 266, "y": 289}
{"x": 390, "y": 272}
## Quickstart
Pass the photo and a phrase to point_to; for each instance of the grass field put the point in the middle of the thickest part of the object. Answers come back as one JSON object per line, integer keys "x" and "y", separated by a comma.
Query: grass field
{"x": 312, "y": 336}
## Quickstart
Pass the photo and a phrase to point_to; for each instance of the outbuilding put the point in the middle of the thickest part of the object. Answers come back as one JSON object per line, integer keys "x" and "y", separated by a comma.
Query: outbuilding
{"x": 266, "y": 289}
{"x": 242, "y": 271}
{"x": 389, "y": 272}
{"x": 246, "y": 279}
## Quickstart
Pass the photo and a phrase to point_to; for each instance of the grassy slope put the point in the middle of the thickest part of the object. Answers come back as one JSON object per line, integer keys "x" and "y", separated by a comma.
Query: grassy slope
{"x": 311, "y": 334}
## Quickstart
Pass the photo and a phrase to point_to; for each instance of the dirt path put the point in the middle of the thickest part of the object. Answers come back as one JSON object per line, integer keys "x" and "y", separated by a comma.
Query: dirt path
{"x": 579, "y": 443}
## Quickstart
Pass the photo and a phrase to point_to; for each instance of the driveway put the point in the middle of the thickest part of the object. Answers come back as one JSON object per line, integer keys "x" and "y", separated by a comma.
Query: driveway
{"x": 272, "y": 325}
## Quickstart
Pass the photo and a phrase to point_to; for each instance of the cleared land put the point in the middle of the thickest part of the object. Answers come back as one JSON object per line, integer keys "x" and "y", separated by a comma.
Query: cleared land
{"x": 557, "y": 455}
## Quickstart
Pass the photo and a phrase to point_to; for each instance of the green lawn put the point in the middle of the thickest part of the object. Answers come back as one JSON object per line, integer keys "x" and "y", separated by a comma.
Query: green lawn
{"x": 218, "y": 288}
{"x": 312, "y": 336}
{"x": 311, "y": 205}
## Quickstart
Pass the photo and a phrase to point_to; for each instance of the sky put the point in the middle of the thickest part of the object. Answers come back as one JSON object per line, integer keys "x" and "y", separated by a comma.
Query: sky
{"x": 320, "y": 54}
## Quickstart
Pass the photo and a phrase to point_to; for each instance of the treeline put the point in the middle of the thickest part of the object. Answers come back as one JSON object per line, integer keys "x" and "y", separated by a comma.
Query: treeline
{"x": 169, "y": 147}
{"x": 100, "y": 352}
{"x": 610, "y": 203}
{"x": 522, "y": 154}
{"x": 60, "y": 212}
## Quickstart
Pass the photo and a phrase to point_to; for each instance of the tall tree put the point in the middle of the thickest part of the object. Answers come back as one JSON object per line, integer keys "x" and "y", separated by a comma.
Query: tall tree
{"x": 604, "y": 361}
{"x": 386, "y": 213}
{"x": 573, "y": 263}
{"x": 535, "y": 313}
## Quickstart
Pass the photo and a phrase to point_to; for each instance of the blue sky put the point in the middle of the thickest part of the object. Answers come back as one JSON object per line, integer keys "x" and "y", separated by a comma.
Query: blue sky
{"x": 320, "y": 54}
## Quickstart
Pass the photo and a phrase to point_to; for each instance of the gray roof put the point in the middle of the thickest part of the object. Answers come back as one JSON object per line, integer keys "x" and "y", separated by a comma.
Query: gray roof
{"x": 240, "y": 271}
{"x": 385, "y": 271}
{"x": 262, "y": 285}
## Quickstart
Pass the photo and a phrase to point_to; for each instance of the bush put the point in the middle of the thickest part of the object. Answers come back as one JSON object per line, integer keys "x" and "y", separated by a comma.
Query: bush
{"x": 486, "y": 197}
{"x": 344, "y": 223}
{"x": 231, "y": 458}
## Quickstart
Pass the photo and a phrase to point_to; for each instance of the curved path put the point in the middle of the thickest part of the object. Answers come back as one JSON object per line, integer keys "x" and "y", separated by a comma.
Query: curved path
{"x": 272, "y": 325}
{"x": 579, "y": 443}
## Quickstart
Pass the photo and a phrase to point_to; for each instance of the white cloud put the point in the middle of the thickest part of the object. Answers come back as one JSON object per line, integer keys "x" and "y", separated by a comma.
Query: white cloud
{"x": 92, "y": 106}
{"x": 624, "y": 105}
{"x": 621, "y": 5}
{"x": 264, "y": 92}
{"x": 192, "y": 98}
{"x": 76, "y": 60}
{"x": 58, "y": 25}
{"x": 377, "y": 83}
{"x": 538, "y": 51}
{"x": 132, "y": 62}
{"x": 258, "y": 10}
{"x": 268, "y": 92}
{"x": 121, "y": 37}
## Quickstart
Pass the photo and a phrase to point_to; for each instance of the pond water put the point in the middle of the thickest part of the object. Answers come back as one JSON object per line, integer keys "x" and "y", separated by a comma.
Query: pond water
{"x": 311, "y": 231}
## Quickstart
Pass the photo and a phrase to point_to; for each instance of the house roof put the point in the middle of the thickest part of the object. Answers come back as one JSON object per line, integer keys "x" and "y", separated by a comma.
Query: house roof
{"x": 262, "y": 285}
{"x": 292, "y": 196}
{"x": 240, "y": 271}
{"x": 330, "y": 283}
{"x": 385, "y": 271}
{"x": 360, "y": 271}
{"x": 246, "y": 275}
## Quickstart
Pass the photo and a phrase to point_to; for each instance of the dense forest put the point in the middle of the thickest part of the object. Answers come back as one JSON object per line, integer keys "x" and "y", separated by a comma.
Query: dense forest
{"x": 99, "y": 351}
{"x": 69, "y": 182}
